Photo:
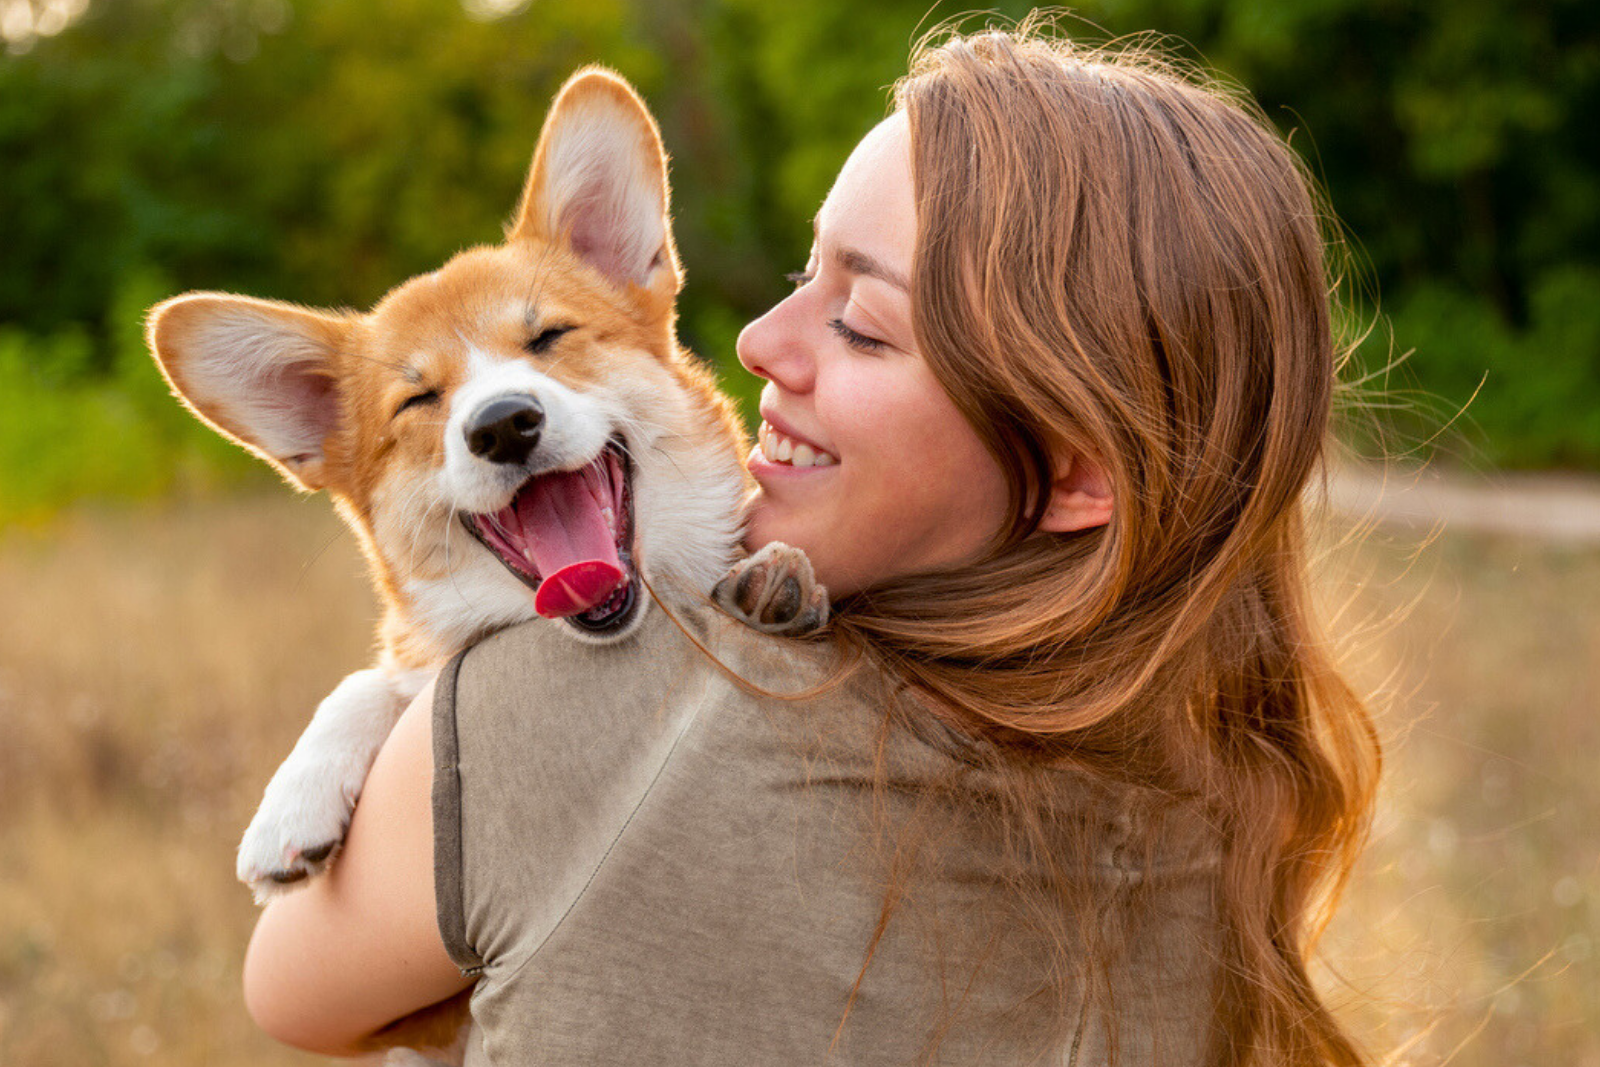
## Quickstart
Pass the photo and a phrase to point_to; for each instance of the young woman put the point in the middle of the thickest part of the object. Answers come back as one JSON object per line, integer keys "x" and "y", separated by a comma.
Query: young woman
{"x": 1064, "y": 340}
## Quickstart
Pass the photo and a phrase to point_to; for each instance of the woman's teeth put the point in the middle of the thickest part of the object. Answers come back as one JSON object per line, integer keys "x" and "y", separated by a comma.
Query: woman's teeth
{"x": 779, "y": 449}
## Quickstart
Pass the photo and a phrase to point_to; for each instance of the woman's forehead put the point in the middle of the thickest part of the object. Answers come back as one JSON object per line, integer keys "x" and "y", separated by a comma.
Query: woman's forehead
{"x": 871, "y": 209}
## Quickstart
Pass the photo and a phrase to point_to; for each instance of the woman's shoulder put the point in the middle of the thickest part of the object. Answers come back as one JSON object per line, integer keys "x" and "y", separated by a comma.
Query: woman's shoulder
{"x": 680, "y": 650}
{"x": 549, "y": 662}
{"x": 755, "y": 696}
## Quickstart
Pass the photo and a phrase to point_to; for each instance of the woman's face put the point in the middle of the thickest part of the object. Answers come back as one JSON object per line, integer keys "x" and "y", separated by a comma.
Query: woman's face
{"x": 863, "y": 460}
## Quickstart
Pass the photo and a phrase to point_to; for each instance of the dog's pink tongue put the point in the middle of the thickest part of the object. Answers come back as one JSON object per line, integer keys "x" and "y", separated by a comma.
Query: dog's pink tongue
{"x": 572, "y": 546}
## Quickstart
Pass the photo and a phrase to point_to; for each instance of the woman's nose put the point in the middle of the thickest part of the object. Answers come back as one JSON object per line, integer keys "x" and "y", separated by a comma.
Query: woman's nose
{"x": 775, "y": 348}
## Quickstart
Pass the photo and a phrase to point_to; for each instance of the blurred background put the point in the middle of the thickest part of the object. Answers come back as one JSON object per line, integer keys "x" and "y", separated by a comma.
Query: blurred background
{"x": 170, "y": 614}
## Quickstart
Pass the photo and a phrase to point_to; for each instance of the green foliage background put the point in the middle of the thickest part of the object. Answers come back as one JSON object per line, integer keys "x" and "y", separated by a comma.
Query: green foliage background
{"x": 323, "y": 150}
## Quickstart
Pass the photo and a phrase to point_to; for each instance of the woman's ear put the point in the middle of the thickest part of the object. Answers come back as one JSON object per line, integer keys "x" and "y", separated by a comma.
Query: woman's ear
{"x": 1080, "y": 495}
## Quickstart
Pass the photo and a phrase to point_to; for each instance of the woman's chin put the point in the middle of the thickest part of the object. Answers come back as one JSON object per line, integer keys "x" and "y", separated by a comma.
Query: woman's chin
{"x": 762, "y": 528}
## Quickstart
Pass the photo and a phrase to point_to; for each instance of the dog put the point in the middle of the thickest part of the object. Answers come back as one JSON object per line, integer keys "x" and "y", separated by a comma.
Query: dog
{"x": 516, "y": 434}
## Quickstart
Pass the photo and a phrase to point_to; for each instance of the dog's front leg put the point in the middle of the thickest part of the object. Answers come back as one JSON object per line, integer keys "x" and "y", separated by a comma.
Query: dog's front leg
{"x": 306, "y": 808}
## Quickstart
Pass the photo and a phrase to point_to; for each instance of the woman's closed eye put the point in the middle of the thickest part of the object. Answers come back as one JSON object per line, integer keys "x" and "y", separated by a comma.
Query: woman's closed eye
{"x": 854, "y": 338}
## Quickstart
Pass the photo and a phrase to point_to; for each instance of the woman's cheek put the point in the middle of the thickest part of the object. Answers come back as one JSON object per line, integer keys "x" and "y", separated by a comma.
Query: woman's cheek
{"x": 864, "y": 416}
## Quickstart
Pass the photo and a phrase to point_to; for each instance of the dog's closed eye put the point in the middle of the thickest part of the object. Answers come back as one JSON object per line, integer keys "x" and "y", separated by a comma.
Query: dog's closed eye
{"x": 417, "y": 400}
{"x": 546, "y": 338}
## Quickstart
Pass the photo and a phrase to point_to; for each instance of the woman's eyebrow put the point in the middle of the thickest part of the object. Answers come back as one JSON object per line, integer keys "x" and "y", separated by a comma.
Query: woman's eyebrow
{"x": 860, "y": 263}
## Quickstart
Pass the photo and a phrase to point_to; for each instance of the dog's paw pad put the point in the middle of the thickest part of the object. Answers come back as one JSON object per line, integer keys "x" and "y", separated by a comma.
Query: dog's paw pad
{"x": 774, "y": 591}
{"x": 739, "y": 594}
{"x": 319, "y": 854}
{"x": 273, "y": 871}
{"x": 267, "y": 884}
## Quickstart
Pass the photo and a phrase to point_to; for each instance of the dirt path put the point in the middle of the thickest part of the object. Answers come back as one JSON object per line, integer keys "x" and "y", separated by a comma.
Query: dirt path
{"x": 1554, "y": 507}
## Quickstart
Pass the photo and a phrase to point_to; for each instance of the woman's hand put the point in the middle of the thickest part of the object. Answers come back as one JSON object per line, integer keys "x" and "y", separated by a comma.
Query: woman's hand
{"x": 359, "y": 947}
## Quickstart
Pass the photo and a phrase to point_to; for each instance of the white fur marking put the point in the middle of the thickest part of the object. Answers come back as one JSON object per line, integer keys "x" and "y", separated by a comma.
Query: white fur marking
{"x": 576, "y": 427}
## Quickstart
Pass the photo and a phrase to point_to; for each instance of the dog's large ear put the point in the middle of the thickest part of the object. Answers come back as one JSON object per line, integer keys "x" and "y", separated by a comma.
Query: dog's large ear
{"x": 258, "y": 371}
{"x": 599, "y": 184}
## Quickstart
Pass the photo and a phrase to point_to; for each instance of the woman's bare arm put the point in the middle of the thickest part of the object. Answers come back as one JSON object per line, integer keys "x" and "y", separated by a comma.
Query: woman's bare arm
{"x": 359, "y": 947}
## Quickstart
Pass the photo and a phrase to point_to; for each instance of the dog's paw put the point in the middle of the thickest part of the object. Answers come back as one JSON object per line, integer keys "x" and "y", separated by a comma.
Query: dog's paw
{"x": 774, "y": 591}
{"x": 295, "y": 834}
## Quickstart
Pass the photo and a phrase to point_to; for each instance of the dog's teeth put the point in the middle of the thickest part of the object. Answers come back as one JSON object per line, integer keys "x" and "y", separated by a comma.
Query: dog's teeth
{"x": 785, "y": 450}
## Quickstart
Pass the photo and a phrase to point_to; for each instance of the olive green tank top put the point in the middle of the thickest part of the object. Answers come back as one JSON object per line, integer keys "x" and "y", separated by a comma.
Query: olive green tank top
{"x": 645, "y": 864}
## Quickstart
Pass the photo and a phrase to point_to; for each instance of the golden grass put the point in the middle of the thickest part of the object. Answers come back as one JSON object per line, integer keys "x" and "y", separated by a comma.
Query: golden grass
{"x": 155, "y": 667}
{"x": 1470, "y": 934}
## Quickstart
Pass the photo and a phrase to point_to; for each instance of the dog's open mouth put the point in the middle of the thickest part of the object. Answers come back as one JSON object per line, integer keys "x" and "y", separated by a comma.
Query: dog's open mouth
{"x": 568, "y": 535}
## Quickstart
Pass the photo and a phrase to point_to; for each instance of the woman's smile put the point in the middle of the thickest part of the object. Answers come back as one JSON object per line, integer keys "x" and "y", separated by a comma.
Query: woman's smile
{"x": 778, "y": 445}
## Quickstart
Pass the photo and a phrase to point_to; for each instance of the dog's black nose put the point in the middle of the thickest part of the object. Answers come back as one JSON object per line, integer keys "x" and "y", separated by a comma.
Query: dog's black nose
{"x": 505, "y": 429}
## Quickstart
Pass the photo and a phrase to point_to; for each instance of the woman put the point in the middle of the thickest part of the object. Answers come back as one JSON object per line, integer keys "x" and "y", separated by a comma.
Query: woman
{"x": 1065, "y": 337}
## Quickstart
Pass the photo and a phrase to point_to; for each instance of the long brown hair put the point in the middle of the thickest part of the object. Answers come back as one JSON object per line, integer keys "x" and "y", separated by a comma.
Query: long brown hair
{"x": 1126, "y": 261}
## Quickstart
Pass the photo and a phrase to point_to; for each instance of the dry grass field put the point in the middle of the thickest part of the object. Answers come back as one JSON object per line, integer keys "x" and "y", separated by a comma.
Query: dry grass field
{"x": 154, "y": 667}
{"x": 1470, "y": 933}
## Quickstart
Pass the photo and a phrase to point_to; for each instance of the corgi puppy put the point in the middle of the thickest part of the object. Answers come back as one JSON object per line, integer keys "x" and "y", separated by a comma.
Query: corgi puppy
{"x": 516, "y": 434}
